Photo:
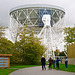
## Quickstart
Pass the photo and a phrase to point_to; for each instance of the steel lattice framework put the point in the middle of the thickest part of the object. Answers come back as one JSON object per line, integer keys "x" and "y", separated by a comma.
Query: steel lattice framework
{"x": 52, "y": 37}
{"x": 32, "y": 16}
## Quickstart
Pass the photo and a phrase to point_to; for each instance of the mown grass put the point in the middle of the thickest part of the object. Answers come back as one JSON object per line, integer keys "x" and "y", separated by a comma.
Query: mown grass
{"x": 22, "y": 66}
{"x": 13, "y": 68}
{"x": 6, "y": 71}
{"x": 71, "y": 68}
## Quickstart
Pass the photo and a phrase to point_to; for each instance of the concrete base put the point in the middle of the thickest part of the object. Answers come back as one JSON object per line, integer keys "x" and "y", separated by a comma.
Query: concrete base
{"x": 71, "y": 61}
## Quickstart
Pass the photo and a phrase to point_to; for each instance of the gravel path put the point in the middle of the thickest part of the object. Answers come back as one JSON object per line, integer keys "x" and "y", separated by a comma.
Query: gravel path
{"x": 38, "y": 71}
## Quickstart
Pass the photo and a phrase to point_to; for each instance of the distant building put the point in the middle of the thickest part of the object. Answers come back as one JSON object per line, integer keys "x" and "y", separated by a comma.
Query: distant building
{"x": 71, "y": 53}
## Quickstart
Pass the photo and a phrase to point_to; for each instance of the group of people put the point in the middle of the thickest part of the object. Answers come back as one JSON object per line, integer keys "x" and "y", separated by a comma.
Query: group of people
{"x": 51, "y": 61}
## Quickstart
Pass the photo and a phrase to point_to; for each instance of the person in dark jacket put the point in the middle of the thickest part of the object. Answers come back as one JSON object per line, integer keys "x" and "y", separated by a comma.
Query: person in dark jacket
{"x": 66, "y": 62}
{"x": 50, "y": 63}
{"x": 57, "y": 62}
{"x": 43, "y": 63}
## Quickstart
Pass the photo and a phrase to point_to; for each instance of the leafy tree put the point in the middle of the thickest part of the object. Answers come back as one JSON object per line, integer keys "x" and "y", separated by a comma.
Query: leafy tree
{"x": 28, "y": 50}
{"x": 30, "y": 47}
{"x": 70, "y": 37}
{"x": 70, "y": 34}
{"x": 16, "y": 54}
{"x": 2, "y": 29}
{"x": 5, "y": 46}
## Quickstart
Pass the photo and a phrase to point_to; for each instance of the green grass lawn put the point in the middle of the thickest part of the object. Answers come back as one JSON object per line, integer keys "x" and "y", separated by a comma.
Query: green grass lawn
{"x": 6, "y": 71}
{"x": 71, "y": 68}
{"x": 13, "y": 68}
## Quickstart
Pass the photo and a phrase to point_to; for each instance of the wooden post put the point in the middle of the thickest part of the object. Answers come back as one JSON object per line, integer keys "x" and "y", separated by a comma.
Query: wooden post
{"x": 8, "y": 61}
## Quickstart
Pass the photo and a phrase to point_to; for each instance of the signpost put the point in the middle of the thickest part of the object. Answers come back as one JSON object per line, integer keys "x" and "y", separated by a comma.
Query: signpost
{"x": 5, "y": 60}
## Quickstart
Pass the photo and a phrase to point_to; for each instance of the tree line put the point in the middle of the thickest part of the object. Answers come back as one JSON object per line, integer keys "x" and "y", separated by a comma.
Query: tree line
{"x": 28, "y": 50}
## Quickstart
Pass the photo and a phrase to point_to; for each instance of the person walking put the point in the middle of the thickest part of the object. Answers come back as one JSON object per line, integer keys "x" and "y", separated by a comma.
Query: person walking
{"x": 57, "y": 62}
{"x": 43, "y": 62}
{"x": 66, "y": 62}
{"x": 50, "y": 63}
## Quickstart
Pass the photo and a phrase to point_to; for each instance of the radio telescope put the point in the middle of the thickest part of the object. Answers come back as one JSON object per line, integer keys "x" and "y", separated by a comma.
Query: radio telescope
{"x": 46, "y": 20}
{"x": 46, "y": 35}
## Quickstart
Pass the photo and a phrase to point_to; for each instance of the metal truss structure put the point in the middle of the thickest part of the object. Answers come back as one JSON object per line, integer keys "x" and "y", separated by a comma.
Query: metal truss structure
{"x": 52, "y": 37}
{"x": 31, "y": 15}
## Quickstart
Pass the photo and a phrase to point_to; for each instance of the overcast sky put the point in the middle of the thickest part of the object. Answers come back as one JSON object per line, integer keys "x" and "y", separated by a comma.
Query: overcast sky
{"x": 68, "y": 5}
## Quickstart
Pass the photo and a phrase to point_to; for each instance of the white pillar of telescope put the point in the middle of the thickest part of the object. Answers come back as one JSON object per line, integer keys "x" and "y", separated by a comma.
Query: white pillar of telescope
{"x": 46, "y": 35}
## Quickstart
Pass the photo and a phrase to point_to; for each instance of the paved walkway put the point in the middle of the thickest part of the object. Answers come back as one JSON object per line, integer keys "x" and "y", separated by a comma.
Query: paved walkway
{"x": 38, "y": 71}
